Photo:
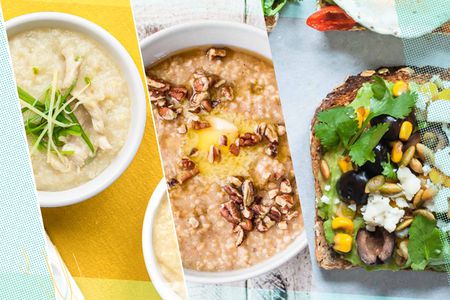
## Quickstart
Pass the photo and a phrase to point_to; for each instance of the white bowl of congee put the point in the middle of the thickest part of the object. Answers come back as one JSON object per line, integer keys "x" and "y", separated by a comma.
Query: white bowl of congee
{"x": 224, "y": 148}
{"x": 83, "y": 104}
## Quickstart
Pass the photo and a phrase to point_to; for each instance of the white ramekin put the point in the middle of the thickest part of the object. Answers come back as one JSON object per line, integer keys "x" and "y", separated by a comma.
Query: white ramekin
{"x": 137, "y": 94}
{"x": 157, "y": 278}
{"x": 218, "y": 33}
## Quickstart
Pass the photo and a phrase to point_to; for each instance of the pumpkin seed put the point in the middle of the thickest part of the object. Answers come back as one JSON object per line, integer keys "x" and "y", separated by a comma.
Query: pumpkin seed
{"x": 428, "y": 194}
{"x": 425, "y": 153}
{"x": 417, "y": 200}
{"x": 425, "y": 213}
{"x": 403, "y": 249}
{"x": 416, "y": 165}
{"x": 407, "y": 156}
{"x": 374, "y": 184}
{"x": 404, "y": 224}
{"x": 390, "y": 188}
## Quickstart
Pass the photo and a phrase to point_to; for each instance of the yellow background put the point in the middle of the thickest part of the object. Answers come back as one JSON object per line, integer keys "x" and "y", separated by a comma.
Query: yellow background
{"x": 101, "y": 237}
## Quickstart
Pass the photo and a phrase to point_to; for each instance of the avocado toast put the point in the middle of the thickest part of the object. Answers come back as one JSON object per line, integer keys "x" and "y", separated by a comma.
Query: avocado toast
{"x": 376, "y": 177}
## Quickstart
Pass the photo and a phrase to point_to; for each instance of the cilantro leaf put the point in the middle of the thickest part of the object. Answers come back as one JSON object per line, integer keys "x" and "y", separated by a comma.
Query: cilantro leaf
{"x": 389, "y": 169}
{"x": 380, "y": 88}
{"x": 399, "y": 107}
{"x": 362, "y": 150}
{"x": 336, "y": 125}
{"x": 425, "y": 242}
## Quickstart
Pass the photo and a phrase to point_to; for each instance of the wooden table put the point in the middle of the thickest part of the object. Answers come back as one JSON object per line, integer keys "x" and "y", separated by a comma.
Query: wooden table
{"x": 293, "y": 279}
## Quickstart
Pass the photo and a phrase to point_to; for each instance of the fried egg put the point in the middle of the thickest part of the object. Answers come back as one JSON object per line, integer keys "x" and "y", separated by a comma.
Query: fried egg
{"x": 402, "y": 18}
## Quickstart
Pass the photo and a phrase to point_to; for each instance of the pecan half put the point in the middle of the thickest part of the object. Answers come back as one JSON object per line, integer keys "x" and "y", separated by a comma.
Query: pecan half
{"x": 230, "y": 212}
{"x": 216, "y": 53}
{"x": 233, "y": 193}
{"x": 261, "y": 129}
{"x": 271, "y": 134}
{"x": 188, "y": 174}
{"x": 206, "y": 105}
{"x": 249, "y": 139}
{"x": 274, "y": 214}
{"x": 248, "y": 193}
{"x": 271, "y": 150}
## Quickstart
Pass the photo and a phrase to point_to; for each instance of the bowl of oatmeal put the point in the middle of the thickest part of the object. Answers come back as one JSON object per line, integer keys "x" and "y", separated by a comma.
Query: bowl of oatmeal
{"x": 224, "y": 148}
{"x": 159, "y": 244}
{"x": 83, "y": 104}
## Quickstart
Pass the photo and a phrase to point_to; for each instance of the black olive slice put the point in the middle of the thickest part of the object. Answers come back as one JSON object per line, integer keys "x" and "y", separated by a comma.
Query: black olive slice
{"x": 351, "y": 187}
{"x": 394, "y": 126}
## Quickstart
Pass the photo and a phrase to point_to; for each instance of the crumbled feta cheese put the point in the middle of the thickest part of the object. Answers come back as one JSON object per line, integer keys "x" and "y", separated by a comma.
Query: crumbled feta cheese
{"x": 325, "y": 199}
{"x": 409, "y": 182}
{"x": 327, "y": 188}
{"x": 380, "y": 213}
{"x": 352, "y": 206}
{"x": 401, "y": 203}
{"x": 402, "y": 233}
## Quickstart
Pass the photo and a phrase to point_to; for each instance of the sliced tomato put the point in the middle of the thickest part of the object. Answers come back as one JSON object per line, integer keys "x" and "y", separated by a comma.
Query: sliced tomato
{"x": 330, "y": 18}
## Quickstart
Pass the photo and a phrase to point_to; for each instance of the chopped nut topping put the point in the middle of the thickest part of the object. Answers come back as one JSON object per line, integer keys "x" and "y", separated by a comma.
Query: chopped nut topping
{"x": 206, "y": 105}
{"x": 186, "y": 164}
{"x": 292, "y": 215}
{"x": 198, "y": 98}
{"x": 233, "y": 194}
{"x": 225, "y": 93}
{"x": 247, "y": 213}
{"x": 248, "y": 193}
{"x": 281, "y": 130}
{"x": 249, "y": 139}
{"x": 230, "y": 212}
{"x": 194, "y": 152}
{"x": 240, "y": 234}
{"x": 193, "y": 222}
{"x": 285, "y": 200}
{"x": 182, "y": 129}
{"x": 214, "y": 155}
{"x": 246, "y": 224}
{"x": 156, "y": 95}
{"x": 167, "y": 114}
{"x": 178, "y": 93}
{"x": 271, "y": 150}
{"x": 220, "y": 83}
{"x": 274, "y": 214}
{"x": 268, "y": 222}
{"x": 285, "y": 186}
{"x": 198, "y": 125}
{"x": 216, "y": 53}
{"x": 273, "y": 193}
{"x": 271, "y": 134}
{"x": 200, "y": 84}
{"x": 234, "y": 149}
{"x": 282, "y": 225}
{"x": 260, "y": 226}
{"x": 260, "y": 210}
{"x": 261, "y": 129}
{"x": 236, "y": 181}
{"x": 188, "y": 174}
{"x": 223, "y": 140}
{"x": 157, "y": 84}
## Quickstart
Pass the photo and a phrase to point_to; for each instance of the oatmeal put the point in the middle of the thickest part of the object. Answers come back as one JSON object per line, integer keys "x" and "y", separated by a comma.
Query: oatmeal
{"x": 225, "y": 153}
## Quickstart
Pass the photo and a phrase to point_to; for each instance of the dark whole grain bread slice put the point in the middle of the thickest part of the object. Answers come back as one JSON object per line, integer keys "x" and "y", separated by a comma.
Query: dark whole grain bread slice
{"x": 326, "y": 257}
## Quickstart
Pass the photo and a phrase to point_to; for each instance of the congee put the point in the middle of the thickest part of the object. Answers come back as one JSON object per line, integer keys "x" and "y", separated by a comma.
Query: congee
{"x": 226, "y": 157}
{"x": 75, "y": 105}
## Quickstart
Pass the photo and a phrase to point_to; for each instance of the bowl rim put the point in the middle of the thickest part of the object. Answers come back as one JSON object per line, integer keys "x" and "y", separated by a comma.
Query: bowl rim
{"x": 151, "y": 263}
{"x": 136, "y": 92}
{"x": 300, "y": 243}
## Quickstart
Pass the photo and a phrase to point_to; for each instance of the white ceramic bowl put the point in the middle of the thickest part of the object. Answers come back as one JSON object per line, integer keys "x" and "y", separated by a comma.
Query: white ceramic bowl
{"x": 158, "y": 280}
{"x": 136, "y": 93}
{"x": 204, "y": 33}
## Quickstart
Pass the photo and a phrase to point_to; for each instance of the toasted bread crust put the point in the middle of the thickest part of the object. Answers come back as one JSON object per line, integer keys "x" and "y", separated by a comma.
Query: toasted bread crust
{"x": 326, "y": 257}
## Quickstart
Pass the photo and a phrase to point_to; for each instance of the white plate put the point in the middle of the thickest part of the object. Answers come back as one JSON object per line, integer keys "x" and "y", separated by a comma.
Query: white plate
{"x": 136, "y": 94}
{"x": 205, "y": 33}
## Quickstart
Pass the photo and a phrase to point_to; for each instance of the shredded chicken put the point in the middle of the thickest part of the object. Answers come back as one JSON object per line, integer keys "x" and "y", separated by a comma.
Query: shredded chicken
{"x": 73, "y": 64}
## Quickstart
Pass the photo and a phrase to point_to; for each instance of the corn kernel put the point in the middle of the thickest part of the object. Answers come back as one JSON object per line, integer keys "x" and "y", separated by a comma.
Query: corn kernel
{"x": 397, "y": 152}
{"x": 343, "y": 242}
{"x": 405, "y": 131}
{"x": 361, "y": 115}
{"x": 342, "y": 223}
{"x": 399, "y": 88}
{"x": 345, "y": 164}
